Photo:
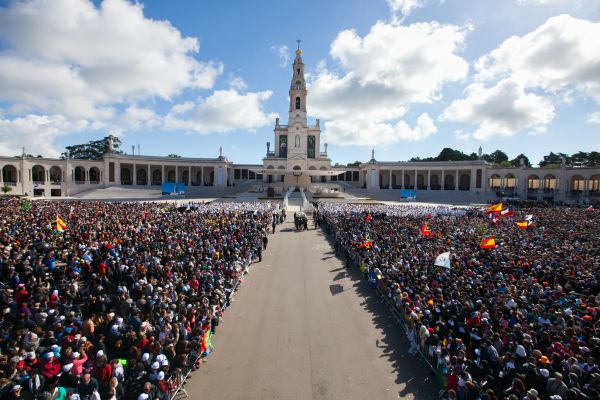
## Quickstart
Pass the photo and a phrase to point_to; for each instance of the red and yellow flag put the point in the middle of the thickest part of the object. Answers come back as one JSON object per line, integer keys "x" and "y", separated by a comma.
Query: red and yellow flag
{"x": 60, "y": 224}
{"x": 366, "y": 245}
{"x": 426, "y": 232}
{"x": 495, "y": 208}
{"x": 523, "y": 224}
{"x": 488, "y": 243}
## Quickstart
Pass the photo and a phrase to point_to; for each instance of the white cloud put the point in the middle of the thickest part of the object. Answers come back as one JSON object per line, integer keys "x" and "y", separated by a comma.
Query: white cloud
{"x": 503, "y": 109}
{"x": 283, "y": 52}
{"x": 222, "y": 112}
{"x": 559, "y": 55}
{"x": 381, "y": 75}
{"x": 369, "y": 132}
{"x": 460, "y": 135}
{"x": 68, "y": 57}
{"x": 37, "y": 132}
{"x": 404, "y": 7}
{"x": 594, "y": 118}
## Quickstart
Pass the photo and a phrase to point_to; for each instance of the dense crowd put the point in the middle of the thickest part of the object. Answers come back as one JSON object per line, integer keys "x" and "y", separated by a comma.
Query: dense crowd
{"x": 113, "y": 305}
{"x": 519, "y": 321}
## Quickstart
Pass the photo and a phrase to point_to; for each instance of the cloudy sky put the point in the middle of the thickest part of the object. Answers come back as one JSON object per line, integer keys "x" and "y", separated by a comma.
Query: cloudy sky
{"x": 405, "y": 77}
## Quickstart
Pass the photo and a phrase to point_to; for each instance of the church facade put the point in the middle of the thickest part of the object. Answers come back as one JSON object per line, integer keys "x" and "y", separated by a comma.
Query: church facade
{"x": 296, "y": 157}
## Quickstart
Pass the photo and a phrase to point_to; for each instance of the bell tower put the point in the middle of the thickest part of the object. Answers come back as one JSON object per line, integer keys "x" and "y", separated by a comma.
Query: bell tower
{"x": 297, "y": 112}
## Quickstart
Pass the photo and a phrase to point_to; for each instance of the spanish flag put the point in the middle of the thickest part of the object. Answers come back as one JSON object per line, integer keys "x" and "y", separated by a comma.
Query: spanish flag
{"x": 495, "y": 208}
{"x": 523, "y": 224}
{"x": 488, "y": 243}
{"x": 60, "y": 224}
{"x": 368, "y": 217}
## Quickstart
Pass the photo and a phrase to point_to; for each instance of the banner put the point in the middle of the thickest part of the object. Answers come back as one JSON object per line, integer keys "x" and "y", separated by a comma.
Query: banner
{"x": 443, "y": 260}
{"x": 408, "y": 194}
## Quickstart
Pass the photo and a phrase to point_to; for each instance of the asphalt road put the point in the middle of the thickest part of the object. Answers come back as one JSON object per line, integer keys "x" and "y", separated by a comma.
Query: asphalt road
{"x": 301, "y": 327}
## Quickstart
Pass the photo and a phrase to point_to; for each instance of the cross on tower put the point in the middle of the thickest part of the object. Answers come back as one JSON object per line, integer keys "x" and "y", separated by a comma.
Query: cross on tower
{"x": 298, "y": 40}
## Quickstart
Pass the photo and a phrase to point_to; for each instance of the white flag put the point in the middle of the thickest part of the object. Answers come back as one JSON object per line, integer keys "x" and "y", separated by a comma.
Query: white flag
{"x": 443, "y": 260}
{"x": 528, "y": 217}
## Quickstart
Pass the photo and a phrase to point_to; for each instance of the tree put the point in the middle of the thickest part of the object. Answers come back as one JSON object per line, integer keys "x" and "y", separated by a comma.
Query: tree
{"x": 354, "y": 164}
{"x": 554, "y": 160}
{"x": 172, "y": 155}
{"x": 448, "y": 154}
{"x": 92, "y": 150}
{"x": 6, "y": 188}
{"x": 516, "y": 162}
{"x": 497, "y": 157}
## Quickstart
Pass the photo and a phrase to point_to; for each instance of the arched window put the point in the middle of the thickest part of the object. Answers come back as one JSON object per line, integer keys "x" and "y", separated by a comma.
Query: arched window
{"x": 297, "y": 103}
{"x": 298, "y": 85}
{"x": 298, "y": 71}
{"x": 297, "y": 141}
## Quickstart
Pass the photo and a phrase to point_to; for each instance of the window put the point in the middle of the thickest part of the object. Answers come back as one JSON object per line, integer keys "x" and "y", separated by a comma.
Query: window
{"x": 297, "y": 103}
{"x": 298, "y": 71}
{"x": 298, "y": 85}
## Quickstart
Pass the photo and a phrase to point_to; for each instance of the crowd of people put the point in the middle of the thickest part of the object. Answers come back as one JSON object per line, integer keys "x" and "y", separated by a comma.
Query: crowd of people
{"x": 518, "y": 321}
{"x": 114, "y": 300}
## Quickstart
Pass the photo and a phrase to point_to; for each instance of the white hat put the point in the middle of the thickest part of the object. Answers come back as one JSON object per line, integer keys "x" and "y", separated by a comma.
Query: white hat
{"x": 100, "y": 353}
{"x": 164, "y": 363}
{"x": 161, "y": 375}
{"x": 75, "y": 354}
{"x": 68, "y": 367}
{"x": 161, "y": 357}
{"x": 544, "y": 372}
{"x": 145, "y": 357}
{"x": 532, "y": 392}
{"x": 155, "y": 365}
{"x": 143, "y": 396}
{"x": 15, "y": 388}
{"x": 521, "y": 351}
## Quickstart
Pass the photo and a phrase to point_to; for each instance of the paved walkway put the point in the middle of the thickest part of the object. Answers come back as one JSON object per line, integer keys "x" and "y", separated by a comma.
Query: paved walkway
{"x": 301, "y": 328}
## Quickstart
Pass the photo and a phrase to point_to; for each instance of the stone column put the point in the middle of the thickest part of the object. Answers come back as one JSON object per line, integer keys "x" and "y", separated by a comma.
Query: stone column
{"x": 149, "y": 176}
{"x": 390, "y": 180}
{"x": 428, "y": 179}
{"x": 456, "y": 181}
{"x": 443, "y": 180}
{"x": 189, "y": 182}
{"x": 402, "y": 179}
{"x": 118, "y": 173}
{"x": 415, "y": 185}
{"x": 176, "y": 173}
{"x": 134, "y": 174}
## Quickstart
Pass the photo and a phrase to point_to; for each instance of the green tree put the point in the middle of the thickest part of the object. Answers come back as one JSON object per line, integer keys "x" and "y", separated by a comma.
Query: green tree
{"x": 593, "y": 159}
{"x": 448, "y": 154}
{"x": 554, "y": 160}
{"x": 6, "y": 188}
{"x": 516, "y": 162}
{"x": 173, "y": 155}
{"x": 354, "y": 164}
{"x": 497, "y": 157}
{"x": 92, "y": 150}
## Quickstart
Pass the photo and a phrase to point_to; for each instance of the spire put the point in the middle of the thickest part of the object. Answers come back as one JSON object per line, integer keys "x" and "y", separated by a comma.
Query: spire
{"x": 298, "y": 90}
{"x": 298, "y": 51}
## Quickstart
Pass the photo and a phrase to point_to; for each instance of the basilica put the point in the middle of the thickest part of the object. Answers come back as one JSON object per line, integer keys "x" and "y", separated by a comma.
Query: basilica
{"x": 296, "y": 157}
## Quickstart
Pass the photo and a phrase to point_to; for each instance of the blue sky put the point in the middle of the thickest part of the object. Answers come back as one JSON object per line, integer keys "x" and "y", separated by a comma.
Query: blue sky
{"x": 405, "y": 77}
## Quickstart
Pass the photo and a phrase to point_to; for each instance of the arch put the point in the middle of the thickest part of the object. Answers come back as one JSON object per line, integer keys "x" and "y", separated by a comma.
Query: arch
{"x": 464, "y": 182}
{"x": 125, "y": 176}
{"x": 577, "y": 183}
{"x": 94, "y": 175}
{"x": 38, "y": 173}
{"x": 407, "y": 182}
{"x": 323, "y": 168}
{"x": 495, "y": 181}
{"x": 298, "y": 85}
{"x": 510, "y": 181}
{"x": 171, "y": 176}
{"x": 55, "y": 175}
{"x": 594, "y": 184}
{"x": 281, "y": 167}
{"x": 434, "y": 182}
{"x": 420, "y": 181}
{"x": 550, "y": 182}
{"x": 297, "y": 102}
{"x": 141, "y": 176}
{"x": 156, "y": 177}
{"x": 9, "y": 174}
{"x": 297, "y": 168}
{"x": 185, "y": 176}
{"x": 449, "y": 182}
{"x": 79, "y": 174}
{"x": 199, "y": 177}
{"x": 533, "y": 182}
{"x": 312, "y": 168}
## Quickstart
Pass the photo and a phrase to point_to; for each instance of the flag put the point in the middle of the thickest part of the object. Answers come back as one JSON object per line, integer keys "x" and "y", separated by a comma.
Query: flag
{"x": 426, "y": 232}
{"x": 366, "y": 245}
{"x": 443, "y": 260}
{"x": 493, "y": 218}
{"x": 488, "y": 243}
{"x": 523, "y": 224}
{"x": 368, "y": 217}
{"x": 205, "y": 345}
{"x": 507, "y": 212}
{"x": 60, "y": 224}
{"x": 590, "y": 208}
{"x": 494, "y": 208}
{"x": 25, "y": 205}
{"x": 529, "y": 217}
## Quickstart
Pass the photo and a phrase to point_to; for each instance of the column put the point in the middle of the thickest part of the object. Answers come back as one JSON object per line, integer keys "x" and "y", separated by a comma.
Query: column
{"x": 390, "y": 180}
{"x": 402, "y": 179}
{"x": 415, "y": 185}
{"x": 134, "y": 174}
{"x": 428, "y": 179}
{"x": 189, "y": 182}
{"x": 443, "y": 180}
{"x": 176, "y": 173}
{"x": 456, "y": 181}
{"x": 149, "y": 176}
{"x": 118, "y": 173}
{"x": 162, "y": 176}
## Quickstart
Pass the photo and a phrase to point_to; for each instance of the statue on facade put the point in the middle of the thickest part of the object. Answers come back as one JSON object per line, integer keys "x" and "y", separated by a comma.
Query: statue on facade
{"x": 110, "y": 146}
{"x": 325, "y": 148}
{"x": 220, "y": 151}
{"x": 372, "y": 154}
{"x": 268, "y": 147}
{"x": 479, "y": 153}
